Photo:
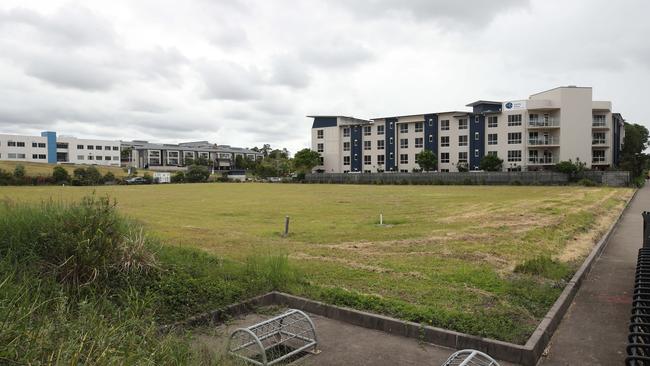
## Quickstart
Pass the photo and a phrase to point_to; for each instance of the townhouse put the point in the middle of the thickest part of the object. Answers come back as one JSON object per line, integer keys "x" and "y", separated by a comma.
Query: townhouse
{"x": 563, "y": 123}
{"x": 50, "y": 148}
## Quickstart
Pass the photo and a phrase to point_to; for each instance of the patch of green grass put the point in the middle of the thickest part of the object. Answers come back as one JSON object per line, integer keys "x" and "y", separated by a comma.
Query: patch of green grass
{"x": 545, "y": 267}
{"x": 448, "y": 257}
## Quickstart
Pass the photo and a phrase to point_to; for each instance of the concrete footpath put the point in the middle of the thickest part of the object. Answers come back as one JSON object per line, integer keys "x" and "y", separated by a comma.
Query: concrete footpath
{"x": 594, "y": 330}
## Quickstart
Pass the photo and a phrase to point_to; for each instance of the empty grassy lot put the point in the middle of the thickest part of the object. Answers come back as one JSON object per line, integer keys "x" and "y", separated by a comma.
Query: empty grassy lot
{"x": 485, "y": 260}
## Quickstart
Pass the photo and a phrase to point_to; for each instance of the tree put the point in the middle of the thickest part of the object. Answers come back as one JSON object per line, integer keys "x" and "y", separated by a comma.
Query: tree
{"x": 19, "y": 172}
{"x": 125, "y": 154}
{"x": 305, "y": 160}
{"x": 462, "y": 167}
{"x": 197, "y": 173}
{"x": 491, "y": 163}
{"x": 148, "y": 178}
{"x": 427, "y": 160}
{"x": 635, "y": 142}
{"x": 266, "y": 149}
{"x": 60, "y": 174}
{"x": 109, "y": 177}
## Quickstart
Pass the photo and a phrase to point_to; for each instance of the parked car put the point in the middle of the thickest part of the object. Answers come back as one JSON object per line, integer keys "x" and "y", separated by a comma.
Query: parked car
{"x": 136, "y": 180}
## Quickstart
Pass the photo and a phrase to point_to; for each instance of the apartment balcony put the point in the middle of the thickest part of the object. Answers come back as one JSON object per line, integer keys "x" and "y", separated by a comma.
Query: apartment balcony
{"x": 599, "y": 142}
{"x": 544, "y": 123}
{"x": 601, "y": 125}
{"x": 599, "y": 160}
{"x": 544, "y": 141}
{"x": 543, "y": 160}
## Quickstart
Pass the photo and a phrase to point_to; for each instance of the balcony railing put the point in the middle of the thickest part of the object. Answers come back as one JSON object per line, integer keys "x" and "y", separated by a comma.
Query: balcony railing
{"x": 598, "y": 123}
{"x": 547, "y": 122}
{"x": 598, "y": 141}
{"x": 544, "y": 141}
{"x": 543, "y": 160}
{"x": 598, "y": 160}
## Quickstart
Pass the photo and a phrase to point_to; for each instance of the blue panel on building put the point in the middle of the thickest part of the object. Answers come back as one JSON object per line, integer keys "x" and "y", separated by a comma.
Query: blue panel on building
{"x": 391, "y": 124}
{"x": 322, "y": 122}
{"x": 431, "y": 132}
{"x": 51, "y": 145}
{"x": 357, "y": 143}
{"x": 617, "y": 141}
{"x": 476, "y": 140}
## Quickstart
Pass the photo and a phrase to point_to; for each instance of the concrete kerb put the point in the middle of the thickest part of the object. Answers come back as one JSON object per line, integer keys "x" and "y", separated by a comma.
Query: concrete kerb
{"x": 527, "y": 354}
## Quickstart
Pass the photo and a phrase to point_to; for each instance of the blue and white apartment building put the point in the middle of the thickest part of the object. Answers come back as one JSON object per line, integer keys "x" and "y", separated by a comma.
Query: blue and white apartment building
{"x": 530, "y": 134}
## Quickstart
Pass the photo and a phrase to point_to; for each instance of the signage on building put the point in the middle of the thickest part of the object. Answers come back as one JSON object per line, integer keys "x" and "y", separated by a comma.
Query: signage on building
{"x": 514, "y": 105}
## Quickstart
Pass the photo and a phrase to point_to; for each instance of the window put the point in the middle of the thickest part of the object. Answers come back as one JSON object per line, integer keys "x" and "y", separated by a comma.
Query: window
{"x": 598, "y": 138}
{"x": 346, "y": 160}
{"x": 34, "y": 145}
{"x": 403, "y": 158}
{"x": 367, "y": 160}
{"x": 116, "y": 158}
{"x": 90, "y": 157}
{"x": 319, "y": 134}
{"x": 98, "y": 147}
{"x": 107, "y": 148}
{"x": 462, "y": 140}
{"x": 444, "y": 141}
{"x": 321, "y": 160}
{"x": 598, "y": 156}
{"x": 493, "y": 139}
{"x": 116, "y": 148}
{"x": 419, "y": 142}
{"x": 514, "y": 120}
{"x": 462, "y": 124}
{"x": 380, "y": 129}
{"x": 462, "y": 157}
{"x": 390, "y": 125}
{"x": 403, "y": 128}
{"x": 367, "y": 145}
{"x": 90, "y": 147}
{"x": 171, "y": 161}
{"x": 430, "y": 138}
{"x": 80, "y": 157}
{"x": 476, "y": 136}
{"x": 431, "y": 122}
{"x": 492, "y": 153}
{"x": 419, "y": 127}
{"x": 22, "y": 144}
{"x": 403, "y": 143}
{"x": 493, "y": 122}
{"x": 444, "y": 170}
{"x": 533, "y": 118}
{"x": 346, "y": 146}
{"x": 346, "y": 132}
{"x": 514, "y": 138}
{"x": 390, "y": 141}
{"x": 444, "y": 125}
{"x": 380, "y": 144}
{"x": 380, "y": 159}
{"x": 98, "y": 157}
{"x": 514, "y": 155}
{"x": 476, "y": 119}
{"x": 34, "y": 156}
{"x": 320, "y": 148}
{"x": 599, "y": 120}
{"x": 356, "y": 142}
{"x": 367, "y": 130}
{"x": 11, "y": 155}
{"x": 444, "y": 157}
{"x": 80, "y": 147}
{"x": 11, "y": 143}
{"x": 40, "y": 145}
{"x": 476, "y": 153}
{"x": 42, "y": 156}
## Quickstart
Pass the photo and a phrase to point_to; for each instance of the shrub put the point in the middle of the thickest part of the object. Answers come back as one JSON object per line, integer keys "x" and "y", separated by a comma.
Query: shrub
{"x": 491, "y": 163}
{"x": 78, "y": 244}
{"x": 60, "y": 175}
{"x": 109, "y": 177}
{"x": 197, "y": 173}
{"x": 587, "y": 182}
{"x": 86, "y": 177}
{"x": 178, "y": 177}
{"x": 462, "y": 167}
{"x": 148, "y": 178}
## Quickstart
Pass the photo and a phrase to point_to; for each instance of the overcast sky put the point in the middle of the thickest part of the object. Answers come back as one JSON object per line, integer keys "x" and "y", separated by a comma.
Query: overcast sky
{"x": 246, "y": 73}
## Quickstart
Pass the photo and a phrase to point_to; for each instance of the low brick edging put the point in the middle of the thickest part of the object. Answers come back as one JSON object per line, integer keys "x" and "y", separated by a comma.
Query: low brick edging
{"x": 527, "y": 355}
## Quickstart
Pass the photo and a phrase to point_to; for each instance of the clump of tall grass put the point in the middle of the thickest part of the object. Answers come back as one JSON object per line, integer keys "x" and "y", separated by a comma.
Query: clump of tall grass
{"x": 78, "y": 244}
{"x": 546, "y": 267}
{"x": 272, "y": 272}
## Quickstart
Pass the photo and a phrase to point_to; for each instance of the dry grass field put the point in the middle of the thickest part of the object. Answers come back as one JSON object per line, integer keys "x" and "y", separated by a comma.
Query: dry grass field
{"x": 485, "y": 260}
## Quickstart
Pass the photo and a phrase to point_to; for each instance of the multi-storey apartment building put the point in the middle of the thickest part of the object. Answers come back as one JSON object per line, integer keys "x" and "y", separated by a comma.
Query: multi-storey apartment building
{"x": 50, "y": 148}
{"x": 143, "y": 154}
{"x": 560, "y": 124}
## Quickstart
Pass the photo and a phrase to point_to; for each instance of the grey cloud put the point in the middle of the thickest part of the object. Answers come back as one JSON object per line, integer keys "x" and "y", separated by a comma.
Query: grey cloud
{"x": 336, "y": 53}
{"x": 229, "y": 81}
{"x": 289, "y": 71}
{"x": 71, "y": 73}
{"x": 466, "y": 11}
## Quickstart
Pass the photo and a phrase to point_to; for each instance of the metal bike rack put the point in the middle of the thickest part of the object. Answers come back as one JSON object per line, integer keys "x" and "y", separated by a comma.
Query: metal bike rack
{"x": 274, "y": 340}
{"x": 470, "y": 357}
{"x": 638, "y": 349}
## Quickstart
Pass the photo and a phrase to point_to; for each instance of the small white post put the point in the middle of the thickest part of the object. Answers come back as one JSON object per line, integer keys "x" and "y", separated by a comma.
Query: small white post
{"x": 381, "y": 218}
